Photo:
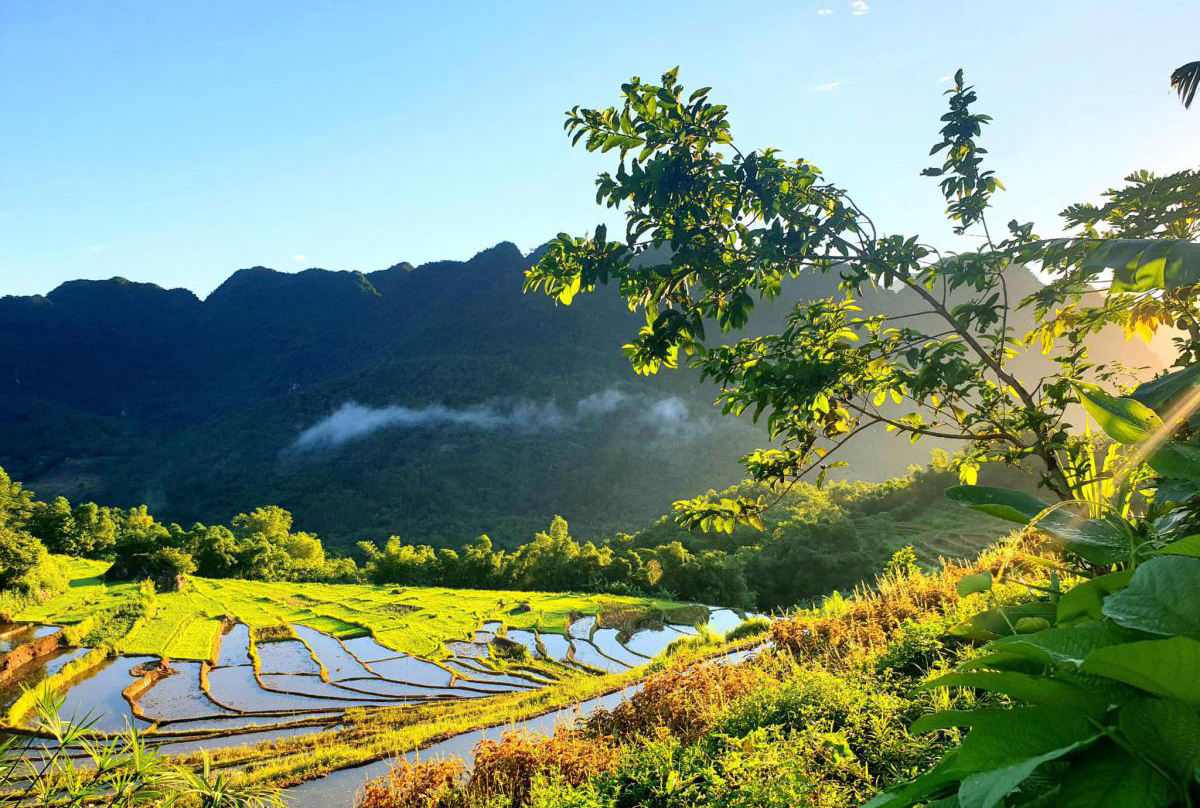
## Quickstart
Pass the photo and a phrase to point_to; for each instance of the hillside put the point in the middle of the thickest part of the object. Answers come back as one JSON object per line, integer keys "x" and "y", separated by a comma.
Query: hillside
{"x": 434, "y": 402}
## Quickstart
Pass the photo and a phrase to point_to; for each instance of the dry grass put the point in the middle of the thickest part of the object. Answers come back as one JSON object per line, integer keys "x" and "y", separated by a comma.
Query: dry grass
{"x": 416, "y": 785}
{"x": 508, "y": 767}
{"x": 683, "y": 699}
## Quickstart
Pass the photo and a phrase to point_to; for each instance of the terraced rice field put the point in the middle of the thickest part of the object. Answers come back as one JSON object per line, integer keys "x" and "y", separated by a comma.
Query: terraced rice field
{"x": 226, "y": 657}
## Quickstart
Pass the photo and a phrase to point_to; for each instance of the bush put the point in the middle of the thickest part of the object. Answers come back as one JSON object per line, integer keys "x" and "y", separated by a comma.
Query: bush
{"x": 687, "y": 701}
{"x": 507, "y": 768}
{"x": 416, "y": 785}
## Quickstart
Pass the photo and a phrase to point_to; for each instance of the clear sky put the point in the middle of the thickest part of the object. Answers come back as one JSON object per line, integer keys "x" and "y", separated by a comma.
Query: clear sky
{"x": 175, "y": 142}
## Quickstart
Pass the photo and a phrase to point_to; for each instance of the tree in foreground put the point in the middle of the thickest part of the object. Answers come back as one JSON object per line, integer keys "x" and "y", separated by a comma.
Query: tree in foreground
{"x": 737, "y": 225}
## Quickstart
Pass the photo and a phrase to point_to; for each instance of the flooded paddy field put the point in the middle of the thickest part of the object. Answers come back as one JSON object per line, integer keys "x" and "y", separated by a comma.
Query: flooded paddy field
{"x": 293, "y": 662}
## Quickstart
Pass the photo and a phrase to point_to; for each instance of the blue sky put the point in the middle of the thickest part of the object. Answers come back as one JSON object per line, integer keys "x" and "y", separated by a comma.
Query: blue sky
{"x": 176, "y": 142}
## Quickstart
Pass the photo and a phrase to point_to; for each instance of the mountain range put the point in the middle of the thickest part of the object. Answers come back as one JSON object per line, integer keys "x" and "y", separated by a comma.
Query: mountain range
{"x": 435, "y": 402}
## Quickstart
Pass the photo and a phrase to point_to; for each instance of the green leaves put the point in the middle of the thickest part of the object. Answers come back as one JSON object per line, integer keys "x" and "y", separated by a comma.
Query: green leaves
{"x": 1003, "y": 503}
{"x": 1038, "y": 690}
{"x": 1109, "y": 777}
{"x": 1163, "y": 667}
{"x": 1166, "y": 732}
{"x": 1143, "y": 265}
{"x": 1101, "y": 541}
{"x": 1163, "y": 597}
{"x": 1125, "y": 420}
{"x": 971, "y": 584}
{"x": 1163, "y": 393}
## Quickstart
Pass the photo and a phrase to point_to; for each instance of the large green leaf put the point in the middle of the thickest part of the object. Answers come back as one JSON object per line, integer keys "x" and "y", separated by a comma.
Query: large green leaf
{"x": 1143, "y": 265}
{"x": 1125, "y": 420}
{"x": 1004, "y": 746}
{"x": 1085, "y": 600}
{"x": 1039, "y": 690}
{"x": 1165, "y": 732}
{"x": 1187, "y": 546}
{"x": 1163, "y": 597}
{"x": 1096, "y": 540}
{"x": 1003, "y": 503}
{"x": 1166, "y": 668}
{"x": 1109, "y": 777}
{"x": 1163, "y": 393}
{"x": 1002, "y": 620}
{"x": 1174, "y": 459}
{"x": 1062, "y": 646}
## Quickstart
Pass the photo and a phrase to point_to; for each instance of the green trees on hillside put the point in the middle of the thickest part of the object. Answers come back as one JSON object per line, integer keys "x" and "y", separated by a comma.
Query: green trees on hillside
{"x": 26, "y": 568}
{"x": 814, "y": 540}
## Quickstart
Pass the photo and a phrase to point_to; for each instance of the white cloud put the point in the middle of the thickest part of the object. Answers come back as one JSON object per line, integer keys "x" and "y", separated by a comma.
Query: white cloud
{"x": 824, "y": 12}
{"x": 667, "y": 417}
{"x": 859, "y": 7}
{"x": 825, "y": 88}
{"x": 299, "y": 257}
{"x": 944, "y": 79}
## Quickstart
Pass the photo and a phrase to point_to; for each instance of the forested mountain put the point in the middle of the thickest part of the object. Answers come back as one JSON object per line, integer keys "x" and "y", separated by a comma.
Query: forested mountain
{"x": 435, "y": 403}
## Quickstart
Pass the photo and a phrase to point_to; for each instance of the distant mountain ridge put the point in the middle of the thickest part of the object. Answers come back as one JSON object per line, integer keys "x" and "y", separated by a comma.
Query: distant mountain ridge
{"x": 490, "y": 410}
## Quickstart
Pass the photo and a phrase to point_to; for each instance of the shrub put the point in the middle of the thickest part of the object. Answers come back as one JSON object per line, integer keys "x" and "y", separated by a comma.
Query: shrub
{"x": 686, "y": 700}
{"x": 434, "y": 784}
{"x": 760, "y": 770}
{"x": 507, "y": 768}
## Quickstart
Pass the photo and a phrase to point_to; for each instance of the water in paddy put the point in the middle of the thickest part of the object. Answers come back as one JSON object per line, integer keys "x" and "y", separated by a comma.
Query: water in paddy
{"x": 97, "y": 695}
{"x": 588, "y": 654}
{"x": 489, "y": 677}
{"x": 311, "y": 685}
{"x": 606, "y": 640}
{"x": 288, "y": 656}
{"x": 368, "y": 650}
{"x": 557, "y": 646}
{"x": 235, "y": 647}
{"x": 411, "y": 669}
{"x": 651, "y": 641}
{"x": 340, "y": 663}
{"x": 237, "y": 689}
{"x": 395, "y": 690}
{"x": 29, "y": 675}
{"x": 582, "y": 628}
{"x": 527, "y": 639}
{"x": 722, "y": 620}
{"x": 468, "y": 649}
{"x": 179, "y": 696}
{"x": 19, "y": 635}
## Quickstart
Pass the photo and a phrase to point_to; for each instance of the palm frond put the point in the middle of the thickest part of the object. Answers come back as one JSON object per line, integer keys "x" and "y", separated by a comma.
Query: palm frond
{"x": 1185, "y": 80}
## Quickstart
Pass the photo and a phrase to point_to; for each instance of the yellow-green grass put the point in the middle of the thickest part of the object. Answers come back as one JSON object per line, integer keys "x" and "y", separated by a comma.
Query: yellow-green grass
{"x": 413, "y": 620}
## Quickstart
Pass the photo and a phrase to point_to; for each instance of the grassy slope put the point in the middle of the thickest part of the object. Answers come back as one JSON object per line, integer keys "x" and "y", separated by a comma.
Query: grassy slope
{"x": 414, "y": 620}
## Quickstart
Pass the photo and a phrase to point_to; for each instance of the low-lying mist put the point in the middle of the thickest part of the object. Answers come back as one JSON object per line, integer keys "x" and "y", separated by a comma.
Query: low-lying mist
{"x": 667, "y": 417}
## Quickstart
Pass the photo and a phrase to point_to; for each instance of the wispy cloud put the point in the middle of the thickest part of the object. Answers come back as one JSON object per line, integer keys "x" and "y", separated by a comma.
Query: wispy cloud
{"x": 824, "y": 12}
{"x": 665, "y": 418}
{"x": 826, "y": 88}
{"x": 859, "y": 7}
{"x": 299, "y": 257}
{"x": 944, "y": 79}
